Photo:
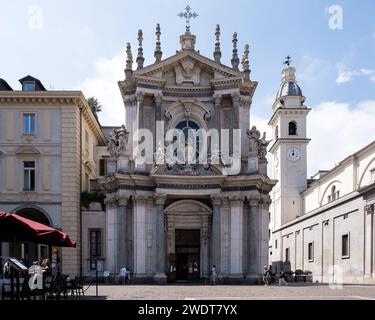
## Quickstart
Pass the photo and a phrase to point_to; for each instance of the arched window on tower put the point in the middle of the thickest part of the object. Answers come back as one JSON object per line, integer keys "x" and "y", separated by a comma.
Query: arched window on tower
{"x": 277, "y": 132}
{"x": 292, "y": 128}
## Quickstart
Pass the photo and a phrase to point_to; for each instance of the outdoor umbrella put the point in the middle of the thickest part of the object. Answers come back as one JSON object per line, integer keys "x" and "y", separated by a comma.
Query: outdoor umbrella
{"x": 16, "y": 228}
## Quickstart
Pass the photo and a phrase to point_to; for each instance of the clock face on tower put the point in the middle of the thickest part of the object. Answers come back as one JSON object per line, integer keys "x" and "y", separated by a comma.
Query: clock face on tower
{"x": 293, "y": 154}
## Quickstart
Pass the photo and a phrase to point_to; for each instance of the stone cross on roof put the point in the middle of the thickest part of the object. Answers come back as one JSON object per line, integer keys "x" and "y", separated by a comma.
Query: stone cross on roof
{"x": 188, "y": 15}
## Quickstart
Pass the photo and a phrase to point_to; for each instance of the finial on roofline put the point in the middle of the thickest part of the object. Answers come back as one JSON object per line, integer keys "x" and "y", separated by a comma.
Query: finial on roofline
{"x": 235, "y": 61}
{"x": 246, "y": 63}
{"x": 140, "y": 58}
{"x": 217, "y": 52}
{"x": 158, "y": 53}
{"x": 129, "y": 62}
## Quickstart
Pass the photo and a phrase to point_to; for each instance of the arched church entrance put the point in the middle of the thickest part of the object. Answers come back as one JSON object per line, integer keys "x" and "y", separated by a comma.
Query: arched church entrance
{"x": 188, "y": 228}
{"x": 30, "y": 251}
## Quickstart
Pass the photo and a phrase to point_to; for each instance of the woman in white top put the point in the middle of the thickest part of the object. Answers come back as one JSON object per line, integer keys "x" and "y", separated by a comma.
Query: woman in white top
{"x": 213, "y": 275}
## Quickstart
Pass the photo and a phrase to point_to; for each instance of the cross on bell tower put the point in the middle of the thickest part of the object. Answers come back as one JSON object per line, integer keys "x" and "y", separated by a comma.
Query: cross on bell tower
{"x": 288, "y": 60}
{"x": 188, "y": 15}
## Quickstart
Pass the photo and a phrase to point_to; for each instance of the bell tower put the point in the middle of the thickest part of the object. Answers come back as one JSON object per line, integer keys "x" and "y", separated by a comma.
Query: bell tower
{"x": 288, "y": 150}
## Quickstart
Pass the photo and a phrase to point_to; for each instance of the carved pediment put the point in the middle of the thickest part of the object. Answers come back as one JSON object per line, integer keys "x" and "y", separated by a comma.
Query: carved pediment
{"x": 187, "y": 67}
{"x": 27, "y": 150}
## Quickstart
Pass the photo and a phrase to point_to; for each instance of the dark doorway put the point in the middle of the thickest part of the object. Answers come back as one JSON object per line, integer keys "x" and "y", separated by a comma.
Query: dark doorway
{"x": 187, "y": 254}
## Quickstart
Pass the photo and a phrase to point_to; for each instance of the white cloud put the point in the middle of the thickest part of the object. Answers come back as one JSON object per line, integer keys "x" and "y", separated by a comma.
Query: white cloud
{"x": 336, "y": 131}
{"x": 103, "y": 85}
{"x": 346, "y": 76}
{"x": 343, "y": 77}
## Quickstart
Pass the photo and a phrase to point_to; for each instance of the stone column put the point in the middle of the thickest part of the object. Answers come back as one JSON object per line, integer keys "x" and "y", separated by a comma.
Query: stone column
{"x": 139, "y": 229}
{"x": 244, "y": 123}
{"x": 158, "y": 116}
{"x": 121, "y": 232}
{"x": 160, "y": 276}
{"x": 111, "y": 233}
{"x": 216, "y": 233}
{"x": 236, "y": 230}
{"x": 140, "y": 102}
{"x": 263, "y": 210}
{"x": 254, "y": 238}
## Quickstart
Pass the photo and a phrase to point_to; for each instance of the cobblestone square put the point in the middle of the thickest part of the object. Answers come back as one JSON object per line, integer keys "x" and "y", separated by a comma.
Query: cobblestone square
{"x": 233, "y": 292}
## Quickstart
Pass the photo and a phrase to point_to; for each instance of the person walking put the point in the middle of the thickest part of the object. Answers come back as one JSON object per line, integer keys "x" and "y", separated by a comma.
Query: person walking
{"x": 123, "y": 273}
{"x": 266, "y": 276}
{"x": 213, "y": 275}
{"x": 282, "y": 281}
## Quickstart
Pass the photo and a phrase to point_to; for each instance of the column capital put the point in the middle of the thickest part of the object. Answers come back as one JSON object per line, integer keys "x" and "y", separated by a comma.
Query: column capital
{"x": 245, "y": 101}
{"x": 266, "y": 199}
{"x": 111, "y": 200}
{"x": 160, "y": 198}
{"x": 140, "y": 96}
{"x": 158, "y": 97}
{"x": 123, "y": 200}
{"x": 253, "y": 201}
{"x": 216, "y": 199}
{"x": 236, "y": 96}
{"x": 130, "y": 99}
{"x": 217, "y": 99}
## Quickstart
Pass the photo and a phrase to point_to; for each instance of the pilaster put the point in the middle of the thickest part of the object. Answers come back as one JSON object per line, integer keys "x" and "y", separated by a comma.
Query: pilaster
{"x": 160, "y": 277}
{"x": 236, "y": 233}
{"x": 216, "y": 233}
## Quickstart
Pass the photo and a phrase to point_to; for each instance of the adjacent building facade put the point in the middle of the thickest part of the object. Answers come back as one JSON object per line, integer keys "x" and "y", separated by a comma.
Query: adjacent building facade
{"x": 324, "y": 224}
{"x": 48, "y": 143}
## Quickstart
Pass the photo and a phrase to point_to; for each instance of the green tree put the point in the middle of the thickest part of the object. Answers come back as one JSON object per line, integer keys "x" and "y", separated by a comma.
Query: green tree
{"x": 95, "y": 105}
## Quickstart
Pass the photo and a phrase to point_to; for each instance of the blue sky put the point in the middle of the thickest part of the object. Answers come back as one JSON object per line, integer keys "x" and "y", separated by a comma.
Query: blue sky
{"x": 81, "y": 45}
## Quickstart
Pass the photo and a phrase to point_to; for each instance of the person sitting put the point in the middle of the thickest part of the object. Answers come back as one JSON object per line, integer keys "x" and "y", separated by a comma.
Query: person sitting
{"x": 45, "y": 267}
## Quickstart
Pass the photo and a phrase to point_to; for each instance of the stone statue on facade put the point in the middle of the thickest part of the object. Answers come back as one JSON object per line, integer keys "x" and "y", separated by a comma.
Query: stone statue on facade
{"x": 254, "y": 136}
{"x": 122, "y": 136}
{"x": 112, "y": 146}
{"x": 257, "y": 145}
{"x": 117, "y": 141}
{"x": 263, "y": 142}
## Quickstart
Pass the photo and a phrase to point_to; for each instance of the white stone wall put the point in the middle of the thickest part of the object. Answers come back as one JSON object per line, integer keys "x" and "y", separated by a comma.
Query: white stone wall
{"x": 325, "y": 231}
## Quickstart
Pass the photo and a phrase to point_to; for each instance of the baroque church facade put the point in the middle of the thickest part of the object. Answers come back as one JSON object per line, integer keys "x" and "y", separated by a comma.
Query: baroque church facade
{"x": 174, "y": 221}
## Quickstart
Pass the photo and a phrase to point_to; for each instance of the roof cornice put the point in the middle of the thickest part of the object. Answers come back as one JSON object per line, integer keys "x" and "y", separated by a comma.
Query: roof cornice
{"x": 57, "y": 98}
{"x": 287, "y": 111}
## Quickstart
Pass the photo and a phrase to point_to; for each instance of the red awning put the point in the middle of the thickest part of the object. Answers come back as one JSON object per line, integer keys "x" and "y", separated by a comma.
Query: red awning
{"x": 16, "y": 228}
